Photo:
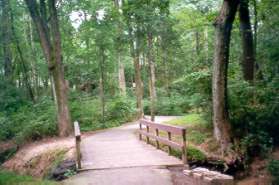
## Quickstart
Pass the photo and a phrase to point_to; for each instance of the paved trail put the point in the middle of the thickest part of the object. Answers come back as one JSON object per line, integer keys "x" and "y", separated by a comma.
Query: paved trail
{"x": 117, "y": 157}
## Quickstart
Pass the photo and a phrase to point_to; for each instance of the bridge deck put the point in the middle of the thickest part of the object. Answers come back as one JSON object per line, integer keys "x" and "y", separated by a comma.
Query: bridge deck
{"x": 120, "y": 148}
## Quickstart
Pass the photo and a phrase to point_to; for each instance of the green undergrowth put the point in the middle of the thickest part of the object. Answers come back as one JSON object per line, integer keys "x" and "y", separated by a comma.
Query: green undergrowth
{"x": 87, "y": 111}
{"x": 198, "y": 129}
{"x": 10, "y": 178}
{"x": 197, "y": 133}
{"x": 31, "y": 122}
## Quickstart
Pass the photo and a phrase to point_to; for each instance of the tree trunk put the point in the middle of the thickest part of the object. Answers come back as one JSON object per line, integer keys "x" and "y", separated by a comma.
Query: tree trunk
{"x": 206, "y": 45}
{"x": 139, "y": 85}
{"x": 134, "y": 48}
{"x": 152, "y": 89}
{"x": 53, "y": 54}
{"x": 23, "y": 62}
{"x": 119, "y": 45}
{"x": 121, "y": 75}
{"x": 7, "y": 41}
{"x": 102, "y": 93}
{"x": 223, "y": 27}
{"x": 248, "y": 56}
{"x": 197, "y": 37}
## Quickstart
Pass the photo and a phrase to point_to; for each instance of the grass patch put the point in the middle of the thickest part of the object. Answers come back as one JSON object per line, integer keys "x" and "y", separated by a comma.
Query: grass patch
{"x": 10, "y": 178}
{"x": 198, "y": 130}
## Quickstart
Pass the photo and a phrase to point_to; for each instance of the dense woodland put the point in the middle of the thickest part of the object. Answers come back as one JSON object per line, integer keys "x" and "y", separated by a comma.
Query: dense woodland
{"x": 105, "y": 63}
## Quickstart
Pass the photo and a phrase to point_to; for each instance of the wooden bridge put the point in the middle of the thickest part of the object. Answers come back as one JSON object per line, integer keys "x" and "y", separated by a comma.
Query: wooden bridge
{"x": 120, "y": 148}
{"x": 121, "y": 153}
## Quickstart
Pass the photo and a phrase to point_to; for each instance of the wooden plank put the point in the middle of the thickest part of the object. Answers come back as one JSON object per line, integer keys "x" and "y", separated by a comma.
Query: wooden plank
{"x": 168, "y": 128}
{"x": 140, "y": 127}
{"x": 184, "y": 152}
{"x": 169, "y": 138}
{"x": 147, "y": 138}
{"x": 157, "y": 142}
{"x": 163, "y": 140}
{"x": 76, "y": 129}
{"x": 78, "y": 140}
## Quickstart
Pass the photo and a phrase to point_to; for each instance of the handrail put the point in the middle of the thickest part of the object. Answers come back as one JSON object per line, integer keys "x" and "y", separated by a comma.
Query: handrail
{"x": 78, "y": 141}
{"x": 170, "y": 129}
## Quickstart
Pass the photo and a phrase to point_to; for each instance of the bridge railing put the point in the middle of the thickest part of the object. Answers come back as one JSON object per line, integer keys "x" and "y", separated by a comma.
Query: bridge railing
{"x": 171, "y": 130}
{"x": 78, "y": 141}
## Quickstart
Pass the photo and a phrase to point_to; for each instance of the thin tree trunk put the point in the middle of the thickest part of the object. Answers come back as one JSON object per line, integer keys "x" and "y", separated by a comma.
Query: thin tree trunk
{"x": 248, "y": 56}
{"x": 102, "y": 93}
{"x": 197, "y": 37}
{"x": 134, "y": 48}
{"x": 206, "y": 45}
{"x": 53, "y": 54}
{"x": 23, "y": 62}
{"x": 139, "y": 91}
{"x": 223, "y": 27}
{"x": 152, "y": 89}
{"x": 6, "y": 37}
{"x": 121, "y": 75}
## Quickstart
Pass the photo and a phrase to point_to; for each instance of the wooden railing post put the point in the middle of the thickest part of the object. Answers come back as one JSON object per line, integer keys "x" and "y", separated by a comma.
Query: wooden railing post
{"x": 140, "y": 127}
{"x": 169, "y": 138}
{"x": 147, "y": 137}
{"x": 184, "y": 151}
{"x": 157, "y": 142}
{"x": 169, "y": 141}
{"x": 78, "y": 141}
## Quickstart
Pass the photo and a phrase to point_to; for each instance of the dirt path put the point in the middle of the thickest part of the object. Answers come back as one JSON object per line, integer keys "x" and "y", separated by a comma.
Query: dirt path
{"x": 116, "y": 156}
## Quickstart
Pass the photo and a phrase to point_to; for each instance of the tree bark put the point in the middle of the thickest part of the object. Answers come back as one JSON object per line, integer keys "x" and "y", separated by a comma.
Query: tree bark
{"x": 7, "y": 41}
{"x": 119, "y": 45}
{"x": 53, "y": 54}
{"x": 135, "y": 53}
{"x": 121, "y": 75}
{"x": 102, "y": 93}
{"x": 248, "y": 55}
{"x": 139, "y": 85}
{"x": 152, "y": 89}
{"x": 223, "y": 27}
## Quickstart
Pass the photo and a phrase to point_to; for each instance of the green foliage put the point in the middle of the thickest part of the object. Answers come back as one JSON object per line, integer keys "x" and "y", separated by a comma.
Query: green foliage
{"x": 273, "y": 168}
{"x": 195, "y": 155}
{"x": 10, "y": 178}
{"x": 70, "y": 173}
{"x": 11, "y": 98}
{"x": 254, "y": 115}
{"x": 30, "y": 122}
{"x": 198, "y": 129}
{"x": 87, "y": 110}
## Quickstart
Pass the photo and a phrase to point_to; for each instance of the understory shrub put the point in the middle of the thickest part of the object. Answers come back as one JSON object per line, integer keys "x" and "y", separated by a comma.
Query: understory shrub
{"x": 87, "y": 111}
{"x": 30, "y": 122}
{"x": 273, "y": 168}
{"x": 35, "y": 121}
{"x": 254, "y": 112}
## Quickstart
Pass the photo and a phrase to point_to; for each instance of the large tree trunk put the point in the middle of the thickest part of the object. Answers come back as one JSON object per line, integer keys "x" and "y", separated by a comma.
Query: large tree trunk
{"x": 53, "y": 54}
{"x": 248, "y": 56}
{"x": 152, "y": 89}
{"x": 121, "y": 68}
{"x": 6, "y": 37}
{"x": 223, "y": 26}
{"x": 139, "y": 85}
